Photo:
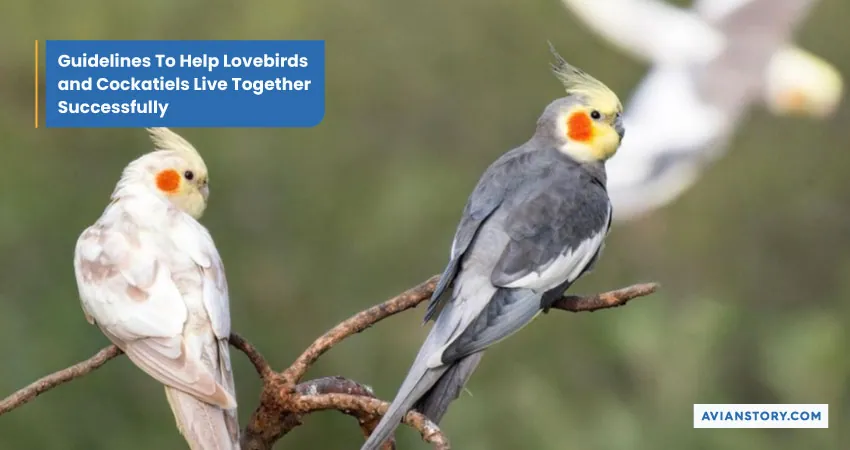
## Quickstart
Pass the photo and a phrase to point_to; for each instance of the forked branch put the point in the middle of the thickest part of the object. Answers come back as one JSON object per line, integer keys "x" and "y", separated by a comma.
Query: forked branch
{"x": 285, "y": 401}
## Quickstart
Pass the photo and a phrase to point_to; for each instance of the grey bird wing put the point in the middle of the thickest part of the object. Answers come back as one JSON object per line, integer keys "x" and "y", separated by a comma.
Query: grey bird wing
{"x": 475, "y": 213}
{"x": 555, "y": 232}
{"x": 484, "y": 200}
{"x": 550, "y": 228}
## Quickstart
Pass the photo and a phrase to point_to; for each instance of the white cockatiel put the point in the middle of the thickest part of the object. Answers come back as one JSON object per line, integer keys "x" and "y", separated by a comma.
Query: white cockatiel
{"x": 151, "y": 279}
{"x": 710, "y": 64}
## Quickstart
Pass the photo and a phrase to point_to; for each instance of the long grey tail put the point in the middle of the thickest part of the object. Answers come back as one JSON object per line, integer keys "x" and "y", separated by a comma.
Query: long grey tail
{"x": 435, "y": 402}
{"x": 419, "y": 380}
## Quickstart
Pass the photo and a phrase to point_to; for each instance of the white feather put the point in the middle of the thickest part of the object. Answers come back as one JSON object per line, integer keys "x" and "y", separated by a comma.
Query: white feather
{"x": 651, "y": 30}
{"x": 715, "y": 10}
{"x": 665, "y": 118}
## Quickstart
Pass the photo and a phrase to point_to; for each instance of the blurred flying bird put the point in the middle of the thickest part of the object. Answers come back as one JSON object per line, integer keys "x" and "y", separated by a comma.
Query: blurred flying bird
{"x": 710, "y": 63}
{"x": 535, "y": 223}
{"x": 151, "y": 279}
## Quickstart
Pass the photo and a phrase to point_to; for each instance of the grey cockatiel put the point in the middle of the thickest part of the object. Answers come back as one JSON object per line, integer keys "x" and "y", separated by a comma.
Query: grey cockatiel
{"x": 534, "y": 224}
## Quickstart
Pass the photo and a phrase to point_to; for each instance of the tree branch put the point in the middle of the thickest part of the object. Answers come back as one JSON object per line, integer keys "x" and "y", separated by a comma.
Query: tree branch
{"x": 357, "y": 323}
{"x": 284, "y": 401}
{"x": 44, "y": 384}
{"x": 258, "y": 360}
{"x": 340, "y": 385}
{"x": 613, "y": 299}
{"x": 373, "y": 408}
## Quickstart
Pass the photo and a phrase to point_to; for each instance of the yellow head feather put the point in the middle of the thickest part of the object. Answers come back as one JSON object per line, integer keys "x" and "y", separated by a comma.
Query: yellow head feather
{"x": 579, "y": 82}
{"x": 165, "y": 139}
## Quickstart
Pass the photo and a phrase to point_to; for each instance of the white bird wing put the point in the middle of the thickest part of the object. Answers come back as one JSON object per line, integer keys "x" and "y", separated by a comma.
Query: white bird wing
{"x": 194, "y": 240}
{"x": 650, "y": 30}
{"x": 127, "y": 287}
{"x": 772, "y": 11}
{"x": 671, "y": 132}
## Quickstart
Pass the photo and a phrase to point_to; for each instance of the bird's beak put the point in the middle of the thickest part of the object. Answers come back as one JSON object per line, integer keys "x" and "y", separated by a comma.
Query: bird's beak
{"x": 205, "y": 191}
{"x": 618, "y": 127}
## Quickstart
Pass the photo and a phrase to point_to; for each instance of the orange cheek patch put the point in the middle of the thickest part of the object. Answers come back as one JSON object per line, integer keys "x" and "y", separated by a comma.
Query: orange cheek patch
{"x": 579, "y": 127}
{"x": 168, "y": 181}
{"x": 793, "y": 100}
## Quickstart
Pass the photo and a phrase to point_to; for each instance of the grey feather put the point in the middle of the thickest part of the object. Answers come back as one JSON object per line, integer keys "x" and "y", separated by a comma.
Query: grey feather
{"x": 563, "y": 209}
{"x": 531, "y": 207}
{"x": 485, "y": 198}
{"x": 508, "y": 311}
{"x": 419, "y": 380}
{"x": 435, "y": 403}
{"x": 445, "y": 280}
{"x": 510, "y": 172}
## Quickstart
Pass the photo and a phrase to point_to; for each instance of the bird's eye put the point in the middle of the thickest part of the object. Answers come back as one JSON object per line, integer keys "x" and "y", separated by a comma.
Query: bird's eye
{"x": 189, "y": 175}
{"x": 595, "y": 115}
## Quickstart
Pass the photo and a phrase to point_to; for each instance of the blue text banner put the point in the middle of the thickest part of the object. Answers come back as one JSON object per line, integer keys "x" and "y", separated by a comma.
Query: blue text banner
{"x": 96, "y": 84}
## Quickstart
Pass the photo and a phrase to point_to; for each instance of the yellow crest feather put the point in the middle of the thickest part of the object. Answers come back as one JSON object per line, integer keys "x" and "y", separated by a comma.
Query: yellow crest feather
{"x": 579, "y": 82}
{"x": 165, "y": 139}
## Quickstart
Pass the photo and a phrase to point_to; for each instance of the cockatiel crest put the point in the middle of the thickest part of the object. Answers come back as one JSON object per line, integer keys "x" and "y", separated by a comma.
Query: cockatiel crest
{"x": 580, "y": 83}
{"x": 150, "y": 277}
{"x": 165, "y": 139}
{"x": 588, "y": 124}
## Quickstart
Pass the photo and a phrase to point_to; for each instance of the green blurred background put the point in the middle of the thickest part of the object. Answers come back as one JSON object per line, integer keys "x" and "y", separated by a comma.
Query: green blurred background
{"x": 316, "y": 224}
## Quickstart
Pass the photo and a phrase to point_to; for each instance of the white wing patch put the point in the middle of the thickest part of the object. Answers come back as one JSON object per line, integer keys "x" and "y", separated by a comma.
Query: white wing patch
{"x": 566, "y": 267}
